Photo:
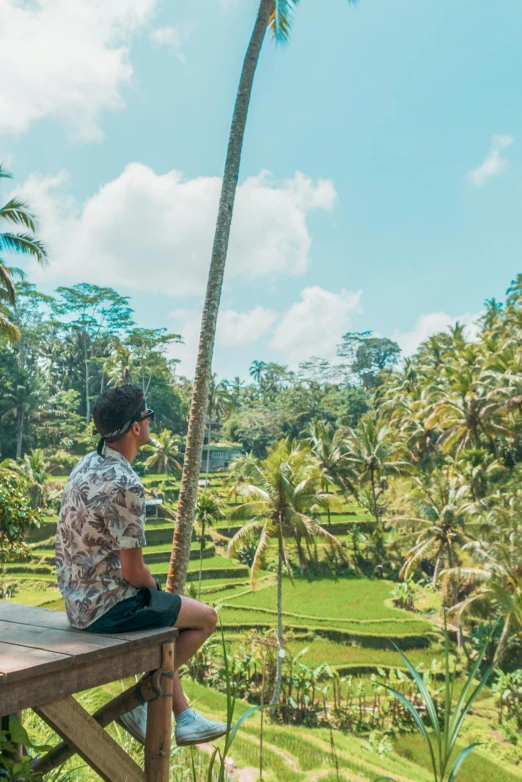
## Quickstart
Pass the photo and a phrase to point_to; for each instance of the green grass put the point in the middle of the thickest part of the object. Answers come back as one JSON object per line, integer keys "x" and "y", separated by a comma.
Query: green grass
{"x": 477, "y": 767}
{"x": 335, "y": 598}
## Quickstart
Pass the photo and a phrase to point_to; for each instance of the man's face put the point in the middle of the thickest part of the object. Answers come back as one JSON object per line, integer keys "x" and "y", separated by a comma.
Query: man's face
{"x": 144, "y": 435}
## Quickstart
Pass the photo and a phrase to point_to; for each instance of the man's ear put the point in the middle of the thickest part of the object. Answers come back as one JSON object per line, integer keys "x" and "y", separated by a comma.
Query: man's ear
{"x": 135, "y": 429}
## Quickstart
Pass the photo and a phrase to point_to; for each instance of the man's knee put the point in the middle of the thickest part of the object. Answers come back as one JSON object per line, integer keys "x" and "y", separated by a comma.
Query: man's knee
{"x": 209, "y": 619}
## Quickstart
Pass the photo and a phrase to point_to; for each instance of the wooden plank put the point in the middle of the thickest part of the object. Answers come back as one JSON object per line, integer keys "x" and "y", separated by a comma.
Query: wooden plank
{"x": 57, "y": 620}
{"x": 20, "y": 663}
{"x": 81, "y": 646}
{"x": 29, "y": 692}
{"x": 92, "y": 743}
{"x": 159, "y": 724}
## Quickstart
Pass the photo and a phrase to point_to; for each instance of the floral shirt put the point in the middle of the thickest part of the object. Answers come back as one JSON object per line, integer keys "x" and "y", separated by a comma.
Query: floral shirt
{"x": 102, "y": 511}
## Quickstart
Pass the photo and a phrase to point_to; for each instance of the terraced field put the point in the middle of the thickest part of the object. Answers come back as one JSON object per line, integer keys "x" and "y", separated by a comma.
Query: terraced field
{"x": 349, "y": 623}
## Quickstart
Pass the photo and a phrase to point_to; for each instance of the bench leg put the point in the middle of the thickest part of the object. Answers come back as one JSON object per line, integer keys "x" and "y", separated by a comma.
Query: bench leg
{"x": 159, "y": 725}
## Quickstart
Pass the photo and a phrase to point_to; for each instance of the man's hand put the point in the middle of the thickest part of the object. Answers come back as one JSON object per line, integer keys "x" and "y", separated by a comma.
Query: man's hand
{"x": 134, "y": 570}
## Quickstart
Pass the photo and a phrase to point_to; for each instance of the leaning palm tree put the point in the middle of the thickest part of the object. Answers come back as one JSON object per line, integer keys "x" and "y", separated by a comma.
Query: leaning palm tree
{"x": 283, "y": 496}
{"x": 16, "y": 213}
{"x": 164, "y": 451}
{"x": 276, "y": 16}
{"x": 209, "y": 509}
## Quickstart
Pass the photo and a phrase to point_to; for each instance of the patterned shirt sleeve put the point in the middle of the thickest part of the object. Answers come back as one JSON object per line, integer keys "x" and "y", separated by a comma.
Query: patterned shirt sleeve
{"x": 125, "y": 516}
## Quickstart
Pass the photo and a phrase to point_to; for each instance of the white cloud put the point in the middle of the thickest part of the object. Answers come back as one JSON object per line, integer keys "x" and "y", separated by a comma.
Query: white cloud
{"x": 434, "y": 323}
{"x": 314, "y": 326}
{"x": 493, "y": 163}
{"x": 165, "y": 224}
{"x": 234, "y": 329}
{"x": 66, "y": 58}
{"x": 173, "y": 38}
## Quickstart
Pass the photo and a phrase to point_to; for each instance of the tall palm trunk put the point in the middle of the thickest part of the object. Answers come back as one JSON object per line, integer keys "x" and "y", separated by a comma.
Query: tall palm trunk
{"x": 19, "y": 431}
{"x": 198, "y": 408}
{"x": 208, "y": 452}
{"x": 87, "y": 381}
{"x": 201, "y": 547}
{"x": 279, "y": 669}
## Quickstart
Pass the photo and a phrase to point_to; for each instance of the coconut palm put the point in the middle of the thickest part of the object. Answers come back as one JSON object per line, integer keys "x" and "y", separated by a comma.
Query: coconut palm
{"x": 209, "y": 509}
{"x": 438, "y": 527}
{"x": 240, "y": 472}
{"x": 328, "y": 447}
{"x": 35, "y": 467}
{"x": 282, "y": 497}
{"x": 119, "y": 366}
{"x": 19, "y": 404}
{"x": 257, "y": 370}
{"x": 16, "y": 213}
{"x": 220, "y": 405}
{"x": 276, "y": 16}
{"x": 164, "y": 451}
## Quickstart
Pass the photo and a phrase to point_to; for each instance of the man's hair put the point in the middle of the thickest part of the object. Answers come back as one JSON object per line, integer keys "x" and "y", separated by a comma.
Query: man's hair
{"x": 115, "y": 407}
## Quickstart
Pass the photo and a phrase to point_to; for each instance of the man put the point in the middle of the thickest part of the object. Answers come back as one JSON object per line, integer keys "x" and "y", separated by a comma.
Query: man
{"x": 99, "y": 555}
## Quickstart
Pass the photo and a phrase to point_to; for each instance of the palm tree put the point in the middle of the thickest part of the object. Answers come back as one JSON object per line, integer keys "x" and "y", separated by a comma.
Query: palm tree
{"x": 209, "y": 509}
{"x": 240, "y": 472}
{"x": 257, "y": 370}
{"x": 221, "y": 404}
{"x": 119, "y": 366}
{"x": 19, "y": 404}
{"x": 373, "y": 455}
{"x": 15, "y": 212}
{"x": 34, "y": 467}
{"x": 282, "y": 496}
{"x": 329, "y": 449}
{"x": 437, "y": 527}
{"x": 275, "y": 15}
{"x": 164, "y": 450}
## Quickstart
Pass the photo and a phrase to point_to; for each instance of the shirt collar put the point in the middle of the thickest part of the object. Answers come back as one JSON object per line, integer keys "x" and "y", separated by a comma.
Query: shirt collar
{"x": 112, "y": 454}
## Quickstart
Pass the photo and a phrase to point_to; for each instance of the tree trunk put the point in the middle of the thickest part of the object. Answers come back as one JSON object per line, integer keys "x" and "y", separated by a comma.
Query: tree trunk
{"x": 279, "y": 669}
{"x": 201, "y": 547}
{"x": 87, "y": 400}
{"x": 208, "y": 452}
{"x": 19, "y": 432}
{"x": 198, "y": 408}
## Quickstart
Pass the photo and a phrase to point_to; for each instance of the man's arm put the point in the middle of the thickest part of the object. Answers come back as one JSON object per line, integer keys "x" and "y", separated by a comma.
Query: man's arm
{"x": 134, "y": 570}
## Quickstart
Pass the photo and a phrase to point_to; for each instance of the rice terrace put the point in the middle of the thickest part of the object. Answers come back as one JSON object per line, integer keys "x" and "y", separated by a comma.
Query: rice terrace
{"x": 260, "y": 392}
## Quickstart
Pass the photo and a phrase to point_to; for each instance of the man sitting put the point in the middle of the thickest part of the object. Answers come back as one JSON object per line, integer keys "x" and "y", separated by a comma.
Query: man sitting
{"x": 99, "y": 555}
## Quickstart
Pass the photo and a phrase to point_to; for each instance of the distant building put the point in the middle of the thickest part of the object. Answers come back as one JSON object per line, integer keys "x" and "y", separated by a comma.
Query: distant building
{"x": 221, "y": 454}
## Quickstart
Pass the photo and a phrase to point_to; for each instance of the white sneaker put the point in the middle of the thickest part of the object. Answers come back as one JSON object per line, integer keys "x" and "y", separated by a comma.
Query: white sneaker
{"x": 135, "y": 722}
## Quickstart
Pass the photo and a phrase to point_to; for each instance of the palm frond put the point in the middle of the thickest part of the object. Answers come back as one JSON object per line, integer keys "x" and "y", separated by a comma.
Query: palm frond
{"x": 4, "y": 174}
{"x": 7, "y": 283}
{"x": 280, "y": 20}
{"x": 8, "y": 329}
{"x": 16, "y": 211}
{"x": 23, "y": 243}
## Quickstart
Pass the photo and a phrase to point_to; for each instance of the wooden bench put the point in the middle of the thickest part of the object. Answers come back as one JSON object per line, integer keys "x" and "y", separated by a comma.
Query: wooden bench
{"x": 43, "y": 661}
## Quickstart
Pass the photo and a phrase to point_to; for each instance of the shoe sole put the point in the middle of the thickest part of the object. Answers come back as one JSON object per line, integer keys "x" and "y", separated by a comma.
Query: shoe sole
{"x": 190, "y": 740}
{"x": 135, "y": 735}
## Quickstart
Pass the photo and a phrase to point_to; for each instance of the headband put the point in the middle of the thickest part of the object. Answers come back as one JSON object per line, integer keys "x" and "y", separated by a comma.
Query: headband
{"x": 118, "y": 432}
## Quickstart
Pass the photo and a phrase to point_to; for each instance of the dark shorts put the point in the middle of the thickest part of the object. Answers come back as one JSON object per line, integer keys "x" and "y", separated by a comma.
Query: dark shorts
{"x": 147, "y": 610}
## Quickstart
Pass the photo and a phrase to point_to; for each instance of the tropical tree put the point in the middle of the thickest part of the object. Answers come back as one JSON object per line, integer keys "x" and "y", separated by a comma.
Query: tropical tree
{"x": 373, "y": 453}
{"x": 275, "y": 15}
{"x": 437, "y": 527}
{"x": 220, "y": 405}
{"x": 24, "y": 242}
{"x": 329, "y": 449}
{"x": 282, "y": 497}
{"x": 164, "y": 452}
{"x": 209, "y": 509}
{"x": 19, "y": 404}
{"x": 34, "y": 467}
{"x": 257, "y": 370}
{"x": 240, "y": 471}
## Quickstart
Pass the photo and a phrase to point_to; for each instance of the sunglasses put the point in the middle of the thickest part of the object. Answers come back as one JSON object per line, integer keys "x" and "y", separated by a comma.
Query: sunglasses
{"x": 149, "y": 416}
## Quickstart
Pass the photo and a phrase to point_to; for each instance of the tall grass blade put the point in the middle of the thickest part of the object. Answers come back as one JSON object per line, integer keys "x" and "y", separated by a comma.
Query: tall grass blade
{"x": 416, "y": 716}
{"x": 460, "y": 760}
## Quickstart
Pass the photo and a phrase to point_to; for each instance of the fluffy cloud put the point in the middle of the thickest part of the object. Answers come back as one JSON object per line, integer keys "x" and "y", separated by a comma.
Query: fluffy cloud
{"x": 434, "y": 323}
{"x": 234, "y": 329}
{"x": 66, "y": 58}
{"x": 165, "y": 224}
{"x": 173, "y": 38}
{"x": 493, "y": 163}
{"x": 314, "y": 325}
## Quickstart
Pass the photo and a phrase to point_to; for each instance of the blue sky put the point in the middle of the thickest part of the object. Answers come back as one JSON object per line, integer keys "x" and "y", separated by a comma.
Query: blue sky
{"x": 381, "y": 176}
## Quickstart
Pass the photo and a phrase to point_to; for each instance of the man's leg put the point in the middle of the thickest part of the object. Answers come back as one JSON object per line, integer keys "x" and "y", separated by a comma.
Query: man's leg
{"x": 196, "y": 622}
